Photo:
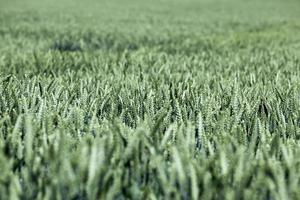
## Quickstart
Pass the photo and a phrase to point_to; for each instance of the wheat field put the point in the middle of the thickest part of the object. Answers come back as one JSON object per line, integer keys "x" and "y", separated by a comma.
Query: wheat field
{"x": 161, "y": 99}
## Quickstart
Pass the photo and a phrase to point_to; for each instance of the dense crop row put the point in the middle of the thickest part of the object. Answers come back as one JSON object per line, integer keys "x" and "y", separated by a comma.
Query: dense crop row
{"x": 91, "y": 114}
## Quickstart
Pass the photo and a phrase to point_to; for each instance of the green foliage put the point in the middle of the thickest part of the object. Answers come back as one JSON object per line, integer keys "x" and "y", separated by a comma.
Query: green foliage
{"x": 134, "y": 100}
